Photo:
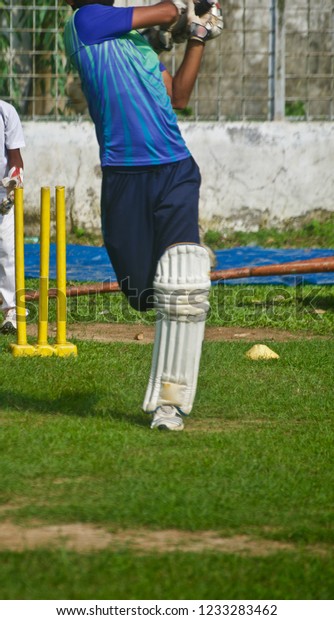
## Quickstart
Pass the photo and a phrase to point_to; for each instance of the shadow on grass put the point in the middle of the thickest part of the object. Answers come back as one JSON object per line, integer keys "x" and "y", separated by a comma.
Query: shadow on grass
{"x": 79, "y": 404}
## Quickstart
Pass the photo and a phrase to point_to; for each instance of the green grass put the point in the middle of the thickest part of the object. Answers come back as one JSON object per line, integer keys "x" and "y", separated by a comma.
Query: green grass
{"x": 257, "y": 460}
{"x": 308, "y": 308}
{"x": 106, "y": 576}
{"x": 81, "y": 236}
{"x": 316, "y": 233}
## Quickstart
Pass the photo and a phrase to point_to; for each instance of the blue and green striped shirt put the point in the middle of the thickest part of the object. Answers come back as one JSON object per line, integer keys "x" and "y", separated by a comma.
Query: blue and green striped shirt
{"x": 121, "y": 79}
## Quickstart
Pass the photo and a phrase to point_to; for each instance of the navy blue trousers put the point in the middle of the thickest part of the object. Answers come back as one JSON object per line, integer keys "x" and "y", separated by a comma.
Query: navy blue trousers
{"x": 143, "y": 211}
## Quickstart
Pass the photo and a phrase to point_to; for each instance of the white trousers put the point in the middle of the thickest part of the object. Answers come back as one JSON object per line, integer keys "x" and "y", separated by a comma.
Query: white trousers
{"x": 7, "y": 261}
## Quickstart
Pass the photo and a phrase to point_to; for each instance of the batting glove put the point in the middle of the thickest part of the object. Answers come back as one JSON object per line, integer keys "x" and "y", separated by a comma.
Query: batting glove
{"x": 165, "y": 40}
{"x": 181, "y": 5}
{"x": 198, "y": 19}
{"x": 203, "y": 6}
{"x": 206, "y": 26}
{"x": 14, "y": 179}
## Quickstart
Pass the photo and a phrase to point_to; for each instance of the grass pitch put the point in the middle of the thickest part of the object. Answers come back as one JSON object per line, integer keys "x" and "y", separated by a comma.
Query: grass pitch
{"x": 253, "y": 469}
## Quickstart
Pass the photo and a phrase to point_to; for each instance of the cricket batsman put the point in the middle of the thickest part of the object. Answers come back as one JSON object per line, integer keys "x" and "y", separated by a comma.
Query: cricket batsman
{"x": 150, "y": 181}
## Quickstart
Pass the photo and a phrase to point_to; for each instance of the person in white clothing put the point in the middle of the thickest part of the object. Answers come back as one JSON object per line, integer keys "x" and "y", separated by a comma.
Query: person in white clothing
{"x": 11, "y": 173}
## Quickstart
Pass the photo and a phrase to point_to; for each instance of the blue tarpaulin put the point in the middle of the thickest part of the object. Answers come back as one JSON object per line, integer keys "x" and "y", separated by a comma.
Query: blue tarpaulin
{"x": 91, "y": 264}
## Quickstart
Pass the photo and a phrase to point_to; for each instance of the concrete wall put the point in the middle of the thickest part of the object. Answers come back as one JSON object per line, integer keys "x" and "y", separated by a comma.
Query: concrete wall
{"x": 253, "y": 174}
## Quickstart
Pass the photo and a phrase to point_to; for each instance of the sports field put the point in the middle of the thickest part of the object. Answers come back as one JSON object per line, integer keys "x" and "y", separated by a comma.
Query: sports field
{"x": 94, "y": 505}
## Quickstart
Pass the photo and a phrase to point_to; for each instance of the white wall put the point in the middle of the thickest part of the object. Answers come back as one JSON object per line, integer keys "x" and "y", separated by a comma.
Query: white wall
{"x": 253, "y": 174}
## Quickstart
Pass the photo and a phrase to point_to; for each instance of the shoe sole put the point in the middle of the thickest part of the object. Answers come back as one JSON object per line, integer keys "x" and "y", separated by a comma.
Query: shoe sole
{"x": 164, "y": 427}
{"x": 8, "y": 328}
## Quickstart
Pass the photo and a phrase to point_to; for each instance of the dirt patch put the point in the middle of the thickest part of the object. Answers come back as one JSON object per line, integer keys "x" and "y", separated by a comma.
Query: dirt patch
{"x": 77, "y": 537}
{"x": 144, "y": 334}
{"x": 84, "y": 538}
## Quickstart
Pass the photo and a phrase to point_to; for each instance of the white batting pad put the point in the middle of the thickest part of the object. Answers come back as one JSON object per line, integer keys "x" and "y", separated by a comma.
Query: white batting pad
{"x": 181, "y": 291}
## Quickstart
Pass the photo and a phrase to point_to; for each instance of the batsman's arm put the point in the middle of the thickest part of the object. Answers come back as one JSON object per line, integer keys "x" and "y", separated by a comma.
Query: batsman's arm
{"x": 161, "y": 14}
{"x": 14, "y": 158}
{"x": 181, "y": 85}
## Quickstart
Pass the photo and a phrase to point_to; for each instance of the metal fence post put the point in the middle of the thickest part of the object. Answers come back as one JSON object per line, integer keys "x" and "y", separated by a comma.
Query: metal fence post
{"x": 271, "y": 60}
{"x": 279, "y": 61}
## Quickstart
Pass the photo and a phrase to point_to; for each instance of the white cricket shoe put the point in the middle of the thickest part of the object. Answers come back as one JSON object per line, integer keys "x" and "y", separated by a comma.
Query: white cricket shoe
{"x": 167, "y": 418}
{"x": 9, "y": 324}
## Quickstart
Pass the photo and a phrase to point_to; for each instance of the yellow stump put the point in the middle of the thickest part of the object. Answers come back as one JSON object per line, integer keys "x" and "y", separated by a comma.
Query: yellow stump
{"x": 42, "y": 347}
{"x": 62, "y": 347}
{"x": 21, "y": 348}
